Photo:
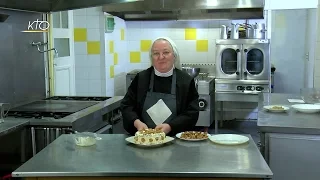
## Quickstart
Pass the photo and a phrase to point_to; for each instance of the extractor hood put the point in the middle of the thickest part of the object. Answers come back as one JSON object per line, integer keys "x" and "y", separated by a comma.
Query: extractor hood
{"x": 187, "y": 9}
{"x": 45, "y": 6}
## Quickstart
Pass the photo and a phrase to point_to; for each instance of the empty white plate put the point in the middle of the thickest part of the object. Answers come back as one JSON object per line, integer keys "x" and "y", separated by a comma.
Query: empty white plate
{"x": 276, "y": 108}
{"x": 307, "y": 108}
{"x": 229, "y": 139}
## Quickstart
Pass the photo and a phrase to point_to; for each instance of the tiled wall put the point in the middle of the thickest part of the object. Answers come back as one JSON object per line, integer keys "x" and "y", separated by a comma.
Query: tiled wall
{"x": 316, "y": 78}
{"x": 116, "y": 58}
{"x": 89, "y": 52}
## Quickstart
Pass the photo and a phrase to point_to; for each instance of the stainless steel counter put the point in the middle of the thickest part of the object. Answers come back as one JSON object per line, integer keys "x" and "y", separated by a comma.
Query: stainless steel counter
{"x": 288, "y": 122}
{"x": 113, "y": 156}
{"x": 10, "y": 126}
{"x": 76, "y": 120}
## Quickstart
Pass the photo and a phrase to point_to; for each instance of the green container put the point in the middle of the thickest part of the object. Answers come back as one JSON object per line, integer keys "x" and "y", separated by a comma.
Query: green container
{"x": 109, "y": 24}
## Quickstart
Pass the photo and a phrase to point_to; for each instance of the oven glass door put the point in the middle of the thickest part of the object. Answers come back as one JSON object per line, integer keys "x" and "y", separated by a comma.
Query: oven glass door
{"x": 256, "y": 62}
{"x": 228, "y": 65}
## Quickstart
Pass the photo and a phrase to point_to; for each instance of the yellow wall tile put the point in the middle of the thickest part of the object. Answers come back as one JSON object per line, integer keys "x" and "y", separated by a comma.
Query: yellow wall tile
{"x": 122, "y": 34}
{"x": 111, "y": 71}
{"x": 145, "y": 45}
{"x": 202, "y": 45}
{"x": 111, "y": 47}
{"x": 115, "y": 58}
{"x": 80, "y": 34}
{"x": 190, "y": 34}
{"x": 135, "y": 57}
{"x": 93, "y": 47}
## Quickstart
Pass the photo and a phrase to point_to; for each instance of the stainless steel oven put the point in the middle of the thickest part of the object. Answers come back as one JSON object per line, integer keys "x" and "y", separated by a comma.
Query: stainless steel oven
{"x": 243, "y": 59}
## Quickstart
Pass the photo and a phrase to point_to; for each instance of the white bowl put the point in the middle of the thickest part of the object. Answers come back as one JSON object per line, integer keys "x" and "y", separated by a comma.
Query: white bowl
{"x": 306, "y": 108}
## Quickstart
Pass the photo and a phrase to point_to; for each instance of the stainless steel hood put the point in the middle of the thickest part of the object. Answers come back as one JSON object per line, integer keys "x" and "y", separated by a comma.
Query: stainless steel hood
{"x": 187, "y": 9}
{"x": 55, "y": 5}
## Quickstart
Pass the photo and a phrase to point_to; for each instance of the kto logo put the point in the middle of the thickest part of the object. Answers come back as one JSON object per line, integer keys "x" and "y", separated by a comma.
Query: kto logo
{"x": 38, "y": 26}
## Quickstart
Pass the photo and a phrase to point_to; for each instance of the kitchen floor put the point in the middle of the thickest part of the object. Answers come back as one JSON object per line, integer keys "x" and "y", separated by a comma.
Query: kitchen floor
{"x": 239, "y": 127}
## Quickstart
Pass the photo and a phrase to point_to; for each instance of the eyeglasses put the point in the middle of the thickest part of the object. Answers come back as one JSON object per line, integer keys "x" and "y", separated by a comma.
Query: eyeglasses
{"x": 157, "y": 54}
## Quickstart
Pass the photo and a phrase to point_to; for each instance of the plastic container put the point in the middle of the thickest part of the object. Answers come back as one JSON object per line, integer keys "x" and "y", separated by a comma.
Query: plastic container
{"x": 86, "y": 138}
{"x": 310, "y": 95}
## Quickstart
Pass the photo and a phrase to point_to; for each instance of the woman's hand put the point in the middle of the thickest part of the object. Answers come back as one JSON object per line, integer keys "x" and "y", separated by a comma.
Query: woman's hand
{"x": 140, "y": 125}
{"x": 166, "y": 128}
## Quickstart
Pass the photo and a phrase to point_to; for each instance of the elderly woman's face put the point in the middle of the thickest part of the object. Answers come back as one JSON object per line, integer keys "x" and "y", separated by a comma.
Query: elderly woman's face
{"x": 162, "y": 56}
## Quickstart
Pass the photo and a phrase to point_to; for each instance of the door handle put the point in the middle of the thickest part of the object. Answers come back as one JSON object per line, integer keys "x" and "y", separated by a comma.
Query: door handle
{"x": 55, "y": 64}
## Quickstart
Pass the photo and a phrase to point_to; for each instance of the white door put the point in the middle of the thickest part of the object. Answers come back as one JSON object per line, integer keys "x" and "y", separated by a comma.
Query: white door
{"x": 63, "y": 63}
{"x": 292, "y": 51}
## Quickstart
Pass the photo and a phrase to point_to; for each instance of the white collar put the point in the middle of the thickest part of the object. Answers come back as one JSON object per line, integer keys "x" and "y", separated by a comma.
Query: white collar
{"x": 167, "y": 74}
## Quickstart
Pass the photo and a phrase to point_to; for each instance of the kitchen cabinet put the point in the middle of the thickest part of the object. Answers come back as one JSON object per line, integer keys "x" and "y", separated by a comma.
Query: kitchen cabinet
{"x": 293, "y": 156}
{"x": 290, "y": 4}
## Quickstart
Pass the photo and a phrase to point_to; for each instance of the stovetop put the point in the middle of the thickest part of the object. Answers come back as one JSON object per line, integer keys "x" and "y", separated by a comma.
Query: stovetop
{"x": 55, "y": 106}
{"x": 78, "y": 98}
{"x": 38, "y": 115}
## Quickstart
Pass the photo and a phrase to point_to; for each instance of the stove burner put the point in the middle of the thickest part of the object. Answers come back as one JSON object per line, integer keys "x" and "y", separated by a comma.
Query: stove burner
{"x": 38, "y": 115}
{"x": 78, "y": 98}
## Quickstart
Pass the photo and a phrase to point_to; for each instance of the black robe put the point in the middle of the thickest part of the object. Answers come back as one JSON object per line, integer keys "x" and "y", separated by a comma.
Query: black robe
{"x": 186, "y": 96}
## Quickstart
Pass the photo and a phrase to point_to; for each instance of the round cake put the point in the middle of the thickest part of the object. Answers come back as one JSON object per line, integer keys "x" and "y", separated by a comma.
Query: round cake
{"x": 149, "y": 137}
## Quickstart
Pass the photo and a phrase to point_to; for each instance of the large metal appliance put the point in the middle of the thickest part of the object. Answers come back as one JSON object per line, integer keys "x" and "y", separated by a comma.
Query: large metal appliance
{"x": 130, "y": 76}
{"x": 242, "y": 71}
{"x": 205, "y": 89}
{"x": 51, "y": 117}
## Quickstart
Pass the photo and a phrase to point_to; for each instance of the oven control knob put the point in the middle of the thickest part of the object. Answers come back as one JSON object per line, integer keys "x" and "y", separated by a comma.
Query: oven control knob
{"x": 202, "y": 104}
{"x": 240, "y": 88}
{"x": 250, "y": 88}
{"x": 259, "y": 88}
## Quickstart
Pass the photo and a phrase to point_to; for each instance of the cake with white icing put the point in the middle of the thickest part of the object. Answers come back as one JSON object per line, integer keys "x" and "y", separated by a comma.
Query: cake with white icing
{"x": 149, "y": 137}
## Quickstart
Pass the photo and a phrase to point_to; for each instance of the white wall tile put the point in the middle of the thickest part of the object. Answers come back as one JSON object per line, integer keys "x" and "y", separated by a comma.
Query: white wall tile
{"x": 119, "y": 23}
{"x": 95, "y": 86}
{"x": 80, "y": 48}
{"x": 134, "y": 34}
{"x": 93, "y": 22}
{"x": 81, "y": 73}
{"x": 94, "y": 73}
{"x": 82, "y": 86}
{"x": 94, "y": 10}
{"x": 133, "y": 45}
{"x": 79, "y": 21}
{"x": 153, "y": 33}
{"x": 96, "y": 94}
{"x": 316, "y": 82}
{"x": 83, "y": 94}
{"x": 187, "y": 57}
{"x": 317, "y": 68}
{"x": 186, "y": 45}
{"x": 93, "y": 60}
{"x": 133, "y": 24}
{"x": 145, "y": 58}
{"x": 93, "y": 34}
{"x": 108, "y": 60}
{"x": 178, "y": 34}
{"x": 214, "y": 33}
{"x": 81, "y": 61}
{"x": 110, "y": 84}
{"x": 202, "y": 33}
{"x": 120, "y": 46}
{"x": 225, "y": 22}
{"x": 193, "y": 24}
{"x": 79, "y": 12}
{"x": 145, "y": 65}
{"x": 214, "y": 24}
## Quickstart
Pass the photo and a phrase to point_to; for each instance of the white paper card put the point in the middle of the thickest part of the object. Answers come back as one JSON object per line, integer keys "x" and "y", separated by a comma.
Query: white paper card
{"x": 296, "y": 100}
{"x": 159, "y": 112}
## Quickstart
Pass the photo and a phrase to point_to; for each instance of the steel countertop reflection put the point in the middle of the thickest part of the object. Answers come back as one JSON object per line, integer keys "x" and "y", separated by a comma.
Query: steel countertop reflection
{"x": 113, "y": 156}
